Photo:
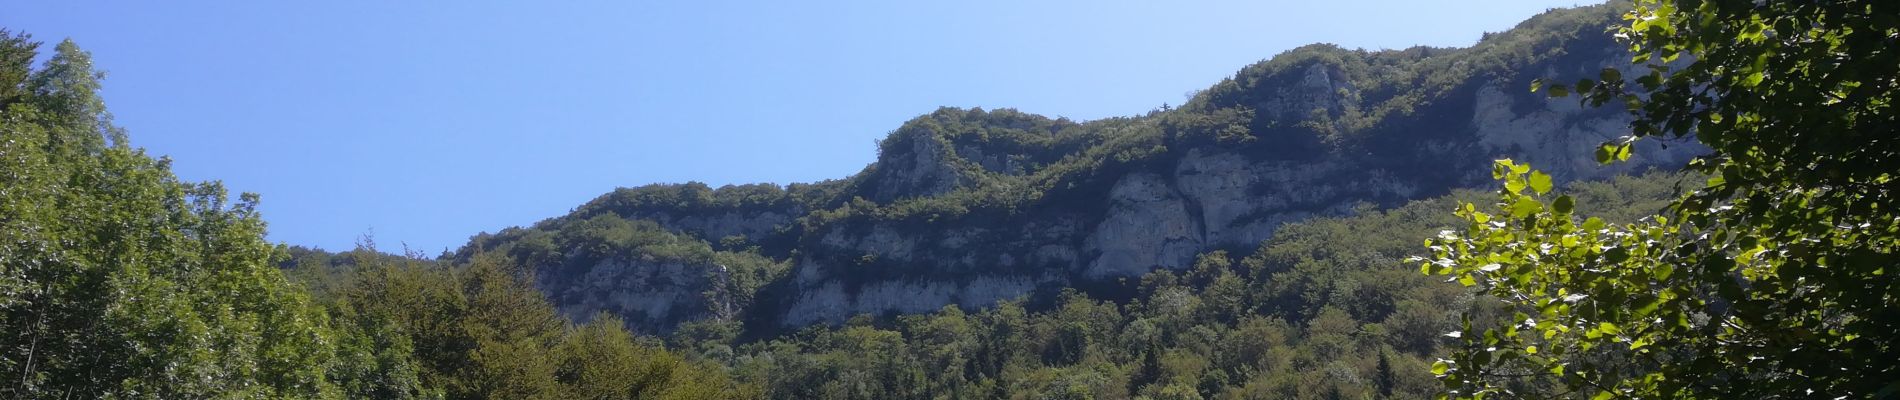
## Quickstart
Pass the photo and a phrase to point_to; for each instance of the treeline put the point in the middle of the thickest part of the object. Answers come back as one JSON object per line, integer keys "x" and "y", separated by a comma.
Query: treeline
{"x": 415, "y": 328}
{"x": 117, "y": 280}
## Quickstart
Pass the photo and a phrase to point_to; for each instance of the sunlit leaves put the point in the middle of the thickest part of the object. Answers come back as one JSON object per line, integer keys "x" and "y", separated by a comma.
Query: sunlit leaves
{"x": 1581, "y": 271}
{"x": 1747, "y": 287}
{"x": 1539, "y": 182}
{"x": 1613, "y": 152}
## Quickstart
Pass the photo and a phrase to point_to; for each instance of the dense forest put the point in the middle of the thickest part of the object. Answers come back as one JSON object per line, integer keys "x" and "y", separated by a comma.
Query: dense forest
{"x": 1658, "y": 199}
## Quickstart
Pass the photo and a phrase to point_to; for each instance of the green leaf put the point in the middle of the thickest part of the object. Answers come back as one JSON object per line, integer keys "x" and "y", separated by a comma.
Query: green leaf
{"x": 1610, "y": 75}
{"x": 1500, "y": 167}
{"x": 1662, "y": 271}
{"x": 1563, "y": 205}
{"x": 1647, "y": 304}
{"x": 1606, "y": 153}
{"x": 1651, "y": 81}
{"x": 1616, "y": 254}
{"x": 1526, "y": 206}
{"x": 1540, "y": 182}
{"x": 1593, "y": 224}
{"x": 1440, "y": 367}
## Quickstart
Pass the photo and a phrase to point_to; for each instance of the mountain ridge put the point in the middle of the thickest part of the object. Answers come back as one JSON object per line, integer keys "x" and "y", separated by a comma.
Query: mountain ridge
{"x": 972, "y": 206}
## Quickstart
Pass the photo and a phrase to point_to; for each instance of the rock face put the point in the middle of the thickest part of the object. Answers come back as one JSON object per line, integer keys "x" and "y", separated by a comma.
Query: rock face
{"x": 1560, "y": 137}
{"x": 1148, "y": 225}
{"x": 969, "y": 207}
{"x": 647, "y": 293}
{"x": 1315, "y": 92}
{"x": 923, "y": 169}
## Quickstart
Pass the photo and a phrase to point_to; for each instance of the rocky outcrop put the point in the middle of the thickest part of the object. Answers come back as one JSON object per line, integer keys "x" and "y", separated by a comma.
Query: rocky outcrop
{"x": 923, "y": 169}
{"x": 994, "y": 162}
{"x": 651, "y": 295}
{"x": 1560, "y": 137}
{"x": 1148, "y": 225}
{"x": 1317, "y": 92}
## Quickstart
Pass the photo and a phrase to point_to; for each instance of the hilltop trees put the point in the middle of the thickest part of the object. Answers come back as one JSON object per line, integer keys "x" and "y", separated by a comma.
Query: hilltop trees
{"x": 1772, "y": 280}
{"x": 117, "y": 280}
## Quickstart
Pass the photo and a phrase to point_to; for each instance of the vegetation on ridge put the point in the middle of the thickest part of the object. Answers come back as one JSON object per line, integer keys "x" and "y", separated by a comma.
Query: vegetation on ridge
{"x": 1768, "y": 278}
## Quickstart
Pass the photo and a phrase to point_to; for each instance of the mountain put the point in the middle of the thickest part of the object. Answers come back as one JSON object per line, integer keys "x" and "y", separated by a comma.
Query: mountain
{"x": 1261, "y": 241}
{"x": 973, "y": 206}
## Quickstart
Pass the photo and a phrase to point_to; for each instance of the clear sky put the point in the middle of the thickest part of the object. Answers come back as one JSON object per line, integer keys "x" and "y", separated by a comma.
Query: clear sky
{"x": 427, "y": 122}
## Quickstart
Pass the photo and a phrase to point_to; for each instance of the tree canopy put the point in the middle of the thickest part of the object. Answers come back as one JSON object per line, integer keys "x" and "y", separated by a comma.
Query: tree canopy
{"x": 1772, "y": 280}
{"x": 118, "y": 280}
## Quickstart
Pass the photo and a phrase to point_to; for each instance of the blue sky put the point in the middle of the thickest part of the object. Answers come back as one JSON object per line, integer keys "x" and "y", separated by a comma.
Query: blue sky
{"x": 427, "y": 122}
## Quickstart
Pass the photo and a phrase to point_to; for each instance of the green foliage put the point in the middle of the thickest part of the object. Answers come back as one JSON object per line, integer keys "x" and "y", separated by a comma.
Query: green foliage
{"x": 118, "y": 280}
{"x": 481, "y": 330}
{"x": 600, "y": 360}
{"x": 16, "y": 64}
{"x": 1770, "y": 281}
{"x": 608, "y": 235}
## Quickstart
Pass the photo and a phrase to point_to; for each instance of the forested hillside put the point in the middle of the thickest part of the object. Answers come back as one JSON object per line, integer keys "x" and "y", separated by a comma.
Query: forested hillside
{"x": 1657, "y": 199}
{"x": 121, "y": 281}
{"x": 1326, "y": 309}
